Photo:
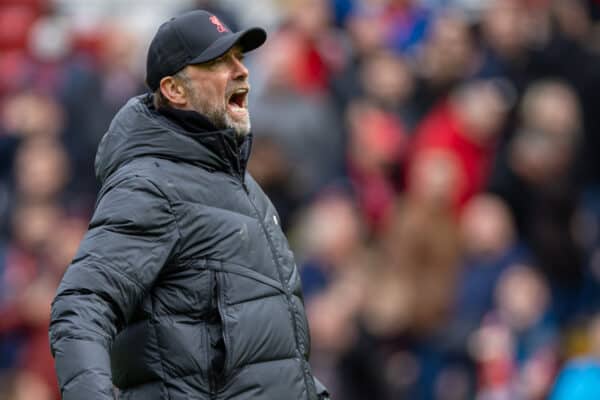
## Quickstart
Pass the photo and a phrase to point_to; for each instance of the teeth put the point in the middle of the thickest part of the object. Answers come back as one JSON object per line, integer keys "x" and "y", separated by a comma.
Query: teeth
{"x": 241, "y": 91}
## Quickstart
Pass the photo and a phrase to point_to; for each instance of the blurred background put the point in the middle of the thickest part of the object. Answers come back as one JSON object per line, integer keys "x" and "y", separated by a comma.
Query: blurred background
{"x": 435, "y": 164}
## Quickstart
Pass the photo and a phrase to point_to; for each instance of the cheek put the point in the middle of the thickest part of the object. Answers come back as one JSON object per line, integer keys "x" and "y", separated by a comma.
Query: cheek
{"x": 204, "y": 92}
{"x": 217, "y": 88}
{"x": 209, "y": 89}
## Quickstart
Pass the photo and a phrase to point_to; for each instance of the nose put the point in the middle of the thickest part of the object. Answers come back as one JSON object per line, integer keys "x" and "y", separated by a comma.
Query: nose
{"x": 239, "y": 69}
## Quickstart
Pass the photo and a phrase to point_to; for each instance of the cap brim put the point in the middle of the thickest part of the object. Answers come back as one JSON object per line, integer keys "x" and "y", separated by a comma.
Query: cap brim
{"x": 248, "y": 39}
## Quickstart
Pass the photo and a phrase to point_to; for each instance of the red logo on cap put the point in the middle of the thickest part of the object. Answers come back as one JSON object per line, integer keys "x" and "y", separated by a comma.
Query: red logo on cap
{"x": 220, "y": 27}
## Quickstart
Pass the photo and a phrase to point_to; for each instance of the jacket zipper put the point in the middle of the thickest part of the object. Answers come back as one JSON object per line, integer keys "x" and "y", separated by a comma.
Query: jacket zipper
{"x": 291, "y": 305}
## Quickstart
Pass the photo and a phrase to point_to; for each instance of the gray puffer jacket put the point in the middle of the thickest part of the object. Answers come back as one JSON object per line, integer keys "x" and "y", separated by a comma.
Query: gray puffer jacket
{"x": 184, "y": 286}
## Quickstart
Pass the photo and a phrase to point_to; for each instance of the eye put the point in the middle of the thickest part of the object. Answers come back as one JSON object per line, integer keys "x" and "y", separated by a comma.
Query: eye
{"x": 214, "y": 62}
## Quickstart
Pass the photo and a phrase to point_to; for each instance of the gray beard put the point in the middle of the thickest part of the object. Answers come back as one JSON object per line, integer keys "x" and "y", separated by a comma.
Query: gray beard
{"x": 218, "y": 116}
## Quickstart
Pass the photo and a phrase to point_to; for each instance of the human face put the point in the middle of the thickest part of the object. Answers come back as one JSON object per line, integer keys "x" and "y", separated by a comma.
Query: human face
{"x": 219, "y": 90}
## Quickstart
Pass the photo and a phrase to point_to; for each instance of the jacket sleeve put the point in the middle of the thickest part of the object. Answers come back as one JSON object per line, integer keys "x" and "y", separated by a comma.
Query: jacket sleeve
{"x": 132, "y": 235}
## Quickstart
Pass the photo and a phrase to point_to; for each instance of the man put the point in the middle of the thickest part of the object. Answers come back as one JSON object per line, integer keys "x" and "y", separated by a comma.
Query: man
{"x": 184, "y": 286}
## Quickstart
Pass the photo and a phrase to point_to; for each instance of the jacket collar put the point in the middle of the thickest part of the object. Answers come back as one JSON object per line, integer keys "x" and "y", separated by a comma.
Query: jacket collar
{"x": 189, "y": 121}
{"x": 139, "y": 130}
{"x": 231, "y": 148}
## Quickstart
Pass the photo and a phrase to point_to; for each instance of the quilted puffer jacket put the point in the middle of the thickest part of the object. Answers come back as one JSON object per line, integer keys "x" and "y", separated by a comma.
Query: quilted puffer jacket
{"x": 184, "y": 286}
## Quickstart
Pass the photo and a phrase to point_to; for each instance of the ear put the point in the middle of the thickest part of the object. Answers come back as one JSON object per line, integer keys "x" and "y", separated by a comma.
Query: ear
{"x": 174, "y": 91}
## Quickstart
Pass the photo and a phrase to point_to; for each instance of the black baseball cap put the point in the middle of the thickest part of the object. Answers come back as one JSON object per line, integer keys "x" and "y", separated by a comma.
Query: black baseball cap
{"x": 192, "y": 38}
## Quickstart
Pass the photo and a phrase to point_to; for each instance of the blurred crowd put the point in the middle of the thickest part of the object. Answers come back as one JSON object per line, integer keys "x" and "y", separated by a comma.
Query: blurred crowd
{"x": 435, "y": 164}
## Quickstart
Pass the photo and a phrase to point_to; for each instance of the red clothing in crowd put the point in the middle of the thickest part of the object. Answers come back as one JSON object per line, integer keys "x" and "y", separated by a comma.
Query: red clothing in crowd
{"x": 442, "y": 130}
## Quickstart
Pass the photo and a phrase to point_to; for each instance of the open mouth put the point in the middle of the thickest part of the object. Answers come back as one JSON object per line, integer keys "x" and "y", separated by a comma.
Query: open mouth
{"x": 237, "y": 100}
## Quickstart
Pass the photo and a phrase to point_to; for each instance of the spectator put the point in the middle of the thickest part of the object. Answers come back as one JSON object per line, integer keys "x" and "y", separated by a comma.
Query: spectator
{"x": 331, "y": 242}
{"x": 490, "y": 246}
{"x": 462, "y": 129}
{"x": 516, "y": 346}
{"x": 536, "y": 180}
{"x": 303, "y": 122}
{"x": 376, "y": 149}
{"x": 447, "y": 58}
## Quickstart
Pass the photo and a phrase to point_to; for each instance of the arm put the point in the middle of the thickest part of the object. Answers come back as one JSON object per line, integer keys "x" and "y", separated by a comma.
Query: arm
{"x": 131, "y": 236}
